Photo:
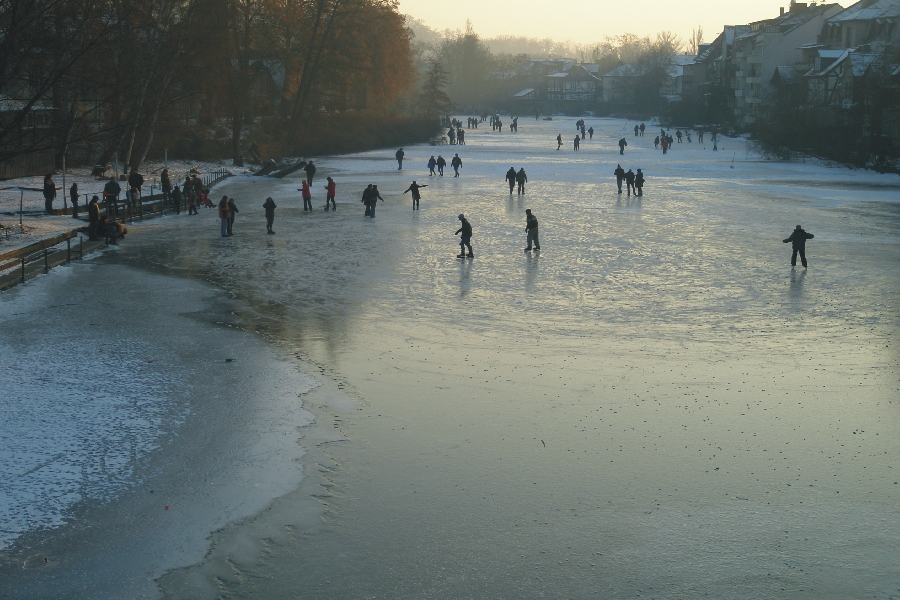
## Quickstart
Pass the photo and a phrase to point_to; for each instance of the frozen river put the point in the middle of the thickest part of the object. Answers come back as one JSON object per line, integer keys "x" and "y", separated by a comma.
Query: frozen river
{"x": 655, "y": 405}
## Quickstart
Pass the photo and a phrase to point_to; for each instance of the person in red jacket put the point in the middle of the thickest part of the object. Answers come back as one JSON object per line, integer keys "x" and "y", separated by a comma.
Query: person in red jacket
{"x": 307, "y": 196}
{"x": 330, "y": 190}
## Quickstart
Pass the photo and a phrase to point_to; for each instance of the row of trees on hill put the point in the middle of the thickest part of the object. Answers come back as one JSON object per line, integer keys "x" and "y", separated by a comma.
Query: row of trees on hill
{"x": 114, "y": 76}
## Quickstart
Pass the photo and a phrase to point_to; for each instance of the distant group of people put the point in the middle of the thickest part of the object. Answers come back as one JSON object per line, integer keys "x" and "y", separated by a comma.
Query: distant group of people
{"x": 440, "y": 162}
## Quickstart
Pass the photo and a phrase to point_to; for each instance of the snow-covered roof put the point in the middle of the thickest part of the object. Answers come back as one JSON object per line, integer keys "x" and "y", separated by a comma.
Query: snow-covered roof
{"x": 559, "y": 75}
{"x": 859, "y": 62}
{"x": 831, "y": 53}
{"x": 683, "y": 59}
{"x": 786, "y": 72}
{"x": 880, "y": 9}
{"x": 523, "y": 93}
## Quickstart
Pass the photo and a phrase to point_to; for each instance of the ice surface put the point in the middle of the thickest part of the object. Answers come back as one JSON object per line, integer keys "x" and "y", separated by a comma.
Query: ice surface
{"x": 78, "y": 413}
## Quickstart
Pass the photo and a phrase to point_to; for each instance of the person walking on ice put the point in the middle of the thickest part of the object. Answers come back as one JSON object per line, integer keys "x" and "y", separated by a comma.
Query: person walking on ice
{"x": 456, "y": 162}
{"x": 330, "y": 191}
{"x": 521, "y": 179}
{"x": 620, "y": 175}
{"x": 639, "y": 183}
{"x": 531, "y": 230}
{"x": 270, "y": 207}
{"x": 414, "y": 188}
{"x": 310, "y": 169}
{"x": 576, "y": 143}
{"x": 797, "y": 240}
{"x": 629, "y": 182}
{"x": 558, "y": 141}
{"x": 511, "y": 178}
{"x": 622, "y": 144}
{"x": 441, "y": 163}
{"x": 431, "y": 165}
{"x": 399, "y": 156}
{"x": 591, "y": 132}
{"x": 465, "y": 240}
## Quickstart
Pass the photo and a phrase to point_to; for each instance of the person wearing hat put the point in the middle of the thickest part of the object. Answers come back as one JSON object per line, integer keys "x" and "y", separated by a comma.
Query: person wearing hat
{"x": 798, "y": 239}
{"x": 465, "y": 240}
{"x": 639, "y": 183}
{"x": 531, "y": 229}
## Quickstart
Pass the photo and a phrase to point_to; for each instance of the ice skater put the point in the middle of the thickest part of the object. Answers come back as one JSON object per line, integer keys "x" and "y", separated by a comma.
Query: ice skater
{"x": 365, "y": 199}
{"x": 797, "y": 240}
{"x": 622, "y": 144}
{"x": 414, "y": 188}
{"x": 399, "y": 156}
{"x": 620, "y": 175}
{"x": 330, "y": 191}
{"x": 465, "y": 240}
{"x": 270, "y": 207}
{"x": 576, "y": 143}
{"x": 639, "y": 183}
{"x": 511, "y": 179}
{"x": 310, "y": 169}
{"x": 521, "y": 179}
{"x": 591, "y": 132}
{"x": 531, "y": 230}
{"x": 456, "y": 163}
{"x": 374, "y": 197}
{"x": 441, "y": 163}
{"x": 431, "y": 165}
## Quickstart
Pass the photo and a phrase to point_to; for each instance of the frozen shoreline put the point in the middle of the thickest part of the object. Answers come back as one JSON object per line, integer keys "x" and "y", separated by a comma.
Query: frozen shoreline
{"x": 215, "y": 441}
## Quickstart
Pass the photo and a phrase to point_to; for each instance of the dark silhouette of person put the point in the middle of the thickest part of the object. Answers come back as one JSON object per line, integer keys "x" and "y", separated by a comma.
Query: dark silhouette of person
{"x": 93, "y": 218}
{"x": 798, "y": 239}
{"x": 558, "y": 141}
{"x": 511, "y": 178}
{"x": 310, "y": 169}
{"x": 629, "y": 182}
{"x": 576, "y": 143}
{"x": 441, "y": 163}
{"x": 456, "y": 163}
{"x": 642, "y": 128}
{"x": 521, "y": 179}
{"x": 622, "y": 144}
{"x": 414, "y": 188}
{"x": 73, "y": 195}
{"x": 431, "y": 164}
{"x": 399, "y": 155}
{"x": 620, "y": 175}
{"x": 639, "y": 183}
{"x": 465, "y": 240}
{"x": 591, "y": 132}
{"x": 270, "y": 207}
{"x": 176, "y": 199}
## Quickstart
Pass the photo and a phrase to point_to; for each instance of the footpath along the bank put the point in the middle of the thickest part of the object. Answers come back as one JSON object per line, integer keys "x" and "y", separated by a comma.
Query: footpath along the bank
{"x": 20, "y": 264}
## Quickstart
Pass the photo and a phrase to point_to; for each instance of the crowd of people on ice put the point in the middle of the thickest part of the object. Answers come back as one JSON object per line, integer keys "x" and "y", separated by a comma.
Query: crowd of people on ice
{"x": 193, "y": 193}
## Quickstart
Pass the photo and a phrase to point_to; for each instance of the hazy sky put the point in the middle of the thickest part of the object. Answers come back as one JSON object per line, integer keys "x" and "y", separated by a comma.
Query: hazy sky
{"x": 585, "y": 21}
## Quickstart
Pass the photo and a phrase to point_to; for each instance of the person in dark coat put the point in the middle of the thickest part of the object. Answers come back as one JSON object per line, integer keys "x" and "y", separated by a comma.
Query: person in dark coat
{"x": 176, "y": 199}
{"x": 111, "y": 192}
{"x": 374, "y": 197}
{"x": 399, "y": 155}
{"x": 270, "y": 207}
{"x": 441, "y": 163}
{"x": 639, "y": 183}
{"x": 456, "y": 163}
{"x": 330, "y": 192}
{"x": 622, "y": 144}
{"x": 531, "y": 231}
{"x": 797, "y": 240}
{"x": 166, "y": 183}
{"x": 136, "y": 180}
{"x": 431, "y": 164}
{"x": 629, "y": 182}
{"x": 414, "y": 188}
{"x": 465, "y": 240}
{"x": 558, "y": 141}
{"x": 511, "y": 178}
{"x": 49, "y": 193}
{"x": 73, "y": 196}
{"x": 521, "y": 179}
{"x": 310, "y": 169}
{"x": 576, "y": 143}
{"x": 232, "y": 211}
{"x": 620, "y": 175}
{"x": 94, "y": 218}
{"x": 365, "y": 198}
{"x": 591, "y": 132}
